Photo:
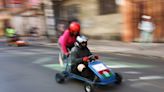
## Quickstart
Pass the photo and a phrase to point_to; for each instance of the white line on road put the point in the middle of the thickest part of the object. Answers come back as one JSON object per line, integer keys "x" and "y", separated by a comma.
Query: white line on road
{"x": 151, "y": 77}
{"x": 127, "y": 66}
{"x": 154, "y": 77}
{"x": 132, "y": 72}
{"x": 43, "y": 60}
{"x": 118, "y": 66}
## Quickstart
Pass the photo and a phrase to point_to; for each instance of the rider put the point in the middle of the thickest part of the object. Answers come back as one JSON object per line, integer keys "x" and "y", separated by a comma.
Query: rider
{"x": 80, "y": 58}
{"x": 11, "y": 34}
{"x": 67, "y": 40}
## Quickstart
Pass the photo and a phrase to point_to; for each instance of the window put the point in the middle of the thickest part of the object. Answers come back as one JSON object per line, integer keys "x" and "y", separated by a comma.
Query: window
{"x": 107, "y": 7}
{"x": 73, "y": 11}
{"x": 1, "y": 4}
{"x": 69, "y": 11}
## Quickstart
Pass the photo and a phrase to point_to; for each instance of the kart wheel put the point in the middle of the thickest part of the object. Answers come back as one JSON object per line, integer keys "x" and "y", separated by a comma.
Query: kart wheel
{"x": 88, "y": 87}
{"x": 59, "y": 78}
{"x": 118, "y": 78}
{"x": 65, "y": 74}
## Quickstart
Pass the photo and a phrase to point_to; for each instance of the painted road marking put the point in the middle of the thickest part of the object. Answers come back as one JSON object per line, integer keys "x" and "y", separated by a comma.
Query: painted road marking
{"x": 122, "y": 54}
{"x": 43, "y": 60}
{"x": 39, "y": 51}
{"x": 17, "y": 52}
{"x": 140, "y": 84}
{"x": 111, "y": 64}
{"x": 122, "y": 64}
{"x": 107, "y": 49}
{"x": 126, "y": 65}
{"x": 58, "y": 67}
{"x": 154, "y": 77}
{"x": 132, "y": 72}
{"x": 151, "y": 77}
{"x": 54, "y": 67}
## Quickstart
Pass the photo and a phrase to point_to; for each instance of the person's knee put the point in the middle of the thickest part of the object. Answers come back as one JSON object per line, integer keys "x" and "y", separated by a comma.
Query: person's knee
{"x": 81, "y": 67}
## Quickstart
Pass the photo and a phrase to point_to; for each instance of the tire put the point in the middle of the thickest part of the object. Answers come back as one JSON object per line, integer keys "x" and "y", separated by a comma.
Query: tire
{"x": 88, "y": 87}
{"x": 65, "y": 74}
{"x": 59, "y": 78}
{"x": 118, "y": 78}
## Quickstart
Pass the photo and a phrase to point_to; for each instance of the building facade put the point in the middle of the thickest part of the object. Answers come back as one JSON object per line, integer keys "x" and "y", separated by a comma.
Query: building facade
{"x": 112, "y": 19}
{"x": 22, "y": 15}
{"x": 132, "y": 11}
{"x": 99, "y": 18}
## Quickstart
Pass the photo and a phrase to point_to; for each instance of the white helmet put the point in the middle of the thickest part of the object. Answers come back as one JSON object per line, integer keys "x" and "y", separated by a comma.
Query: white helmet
{"x": 80, "y": 40}
{"x": 146, "y": 17}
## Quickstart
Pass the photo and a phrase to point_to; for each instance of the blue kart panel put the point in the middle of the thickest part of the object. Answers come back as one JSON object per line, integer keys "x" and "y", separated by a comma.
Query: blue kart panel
{"x": 101, "y": 74}
{"x": 97, "y": 66}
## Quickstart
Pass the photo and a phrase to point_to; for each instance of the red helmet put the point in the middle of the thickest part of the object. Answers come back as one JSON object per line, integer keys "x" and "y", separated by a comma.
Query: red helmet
{"x": 74, "y": 27}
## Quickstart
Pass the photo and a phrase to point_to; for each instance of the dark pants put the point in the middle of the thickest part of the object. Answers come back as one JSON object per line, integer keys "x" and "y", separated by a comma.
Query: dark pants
{"x": 87, "y": 72}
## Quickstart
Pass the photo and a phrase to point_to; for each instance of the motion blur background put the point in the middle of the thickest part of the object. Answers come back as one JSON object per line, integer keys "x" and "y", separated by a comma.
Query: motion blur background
{"x": 100, "y": 19}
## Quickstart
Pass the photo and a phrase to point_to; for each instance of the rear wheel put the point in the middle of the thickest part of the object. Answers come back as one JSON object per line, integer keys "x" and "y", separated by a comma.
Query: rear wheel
{"x": 59, "y": 77}
{"x": 88, "y": 87}
{"x": 118, "y": 78}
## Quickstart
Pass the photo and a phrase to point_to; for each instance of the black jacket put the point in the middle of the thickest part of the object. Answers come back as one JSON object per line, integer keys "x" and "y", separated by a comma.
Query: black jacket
{"x": 78, "y": 53}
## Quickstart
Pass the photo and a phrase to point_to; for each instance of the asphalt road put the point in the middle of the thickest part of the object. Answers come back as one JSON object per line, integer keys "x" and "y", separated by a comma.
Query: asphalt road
{"x": 32, "y": 69}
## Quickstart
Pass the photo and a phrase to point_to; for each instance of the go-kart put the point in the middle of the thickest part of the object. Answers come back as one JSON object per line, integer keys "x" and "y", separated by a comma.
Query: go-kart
{"x": 103, "y": 75}
{"x": 16, "y": 41}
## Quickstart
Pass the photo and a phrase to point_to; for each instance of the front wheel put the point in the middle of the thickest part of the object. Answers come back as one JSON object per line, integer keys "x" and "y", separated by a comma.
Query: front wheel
{"x": 118, "y": 78}
{"x": 59, "y": 77}
{"x": 88, "y": 87}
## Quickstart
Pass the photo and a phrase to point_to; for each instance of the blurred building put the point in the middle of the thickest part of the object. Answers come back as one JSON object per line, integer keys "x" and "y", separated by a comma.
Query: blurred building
{"x": 22, "y": 15}
{"x": 49, "y": 17}
{"x": 103, "y": 18}
{"x": 99, "y": 18}
{"x": 133, "y": 10}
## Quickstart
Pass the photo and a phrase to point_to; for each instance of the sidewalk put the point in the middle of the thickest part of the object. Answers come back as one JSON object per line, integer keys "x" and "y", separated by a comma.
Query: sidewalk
{"x": 106, "y": 46}
{"x": 144, "y": 49}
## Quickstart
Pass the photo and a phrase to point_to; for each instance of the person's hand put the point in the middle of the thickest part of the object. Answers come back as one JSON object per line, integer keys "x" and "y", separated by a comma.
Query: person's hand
{"x": 85, "y": 59}
{"x": 67, "y": 54}
{"x": 96, "y": 57}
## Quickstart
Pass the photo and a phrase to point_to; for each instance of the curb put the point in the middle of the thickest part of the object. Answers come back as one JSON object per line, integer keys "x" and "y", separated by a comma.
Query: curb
{"x": 129, "y": 54}
{"x": 142, "y": 55}
{"x": 114, "y": 52}
{"x": 43, "y": 45}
